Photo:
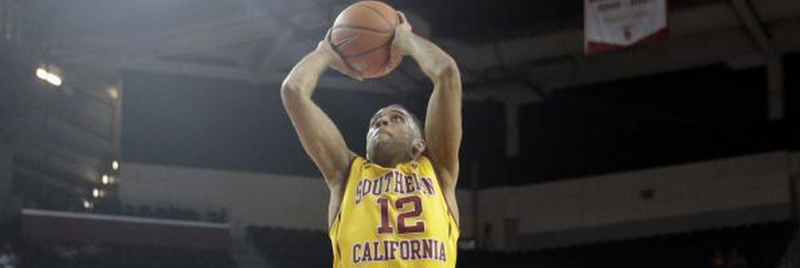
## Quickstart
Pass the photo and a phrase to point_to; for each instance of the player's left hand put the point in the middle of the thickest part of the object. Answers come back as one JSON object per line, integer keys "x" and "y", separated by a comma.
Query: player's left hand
{"x": 402, "y": 34}
{"x": 398, "y": 51}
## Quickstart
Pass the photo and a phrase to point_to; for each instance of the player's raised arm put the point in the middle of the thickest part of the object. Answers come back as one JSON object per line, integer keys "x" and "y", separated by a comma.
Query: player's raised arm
{"x": 320, "y": 137}
{"x": 443, "y": 121}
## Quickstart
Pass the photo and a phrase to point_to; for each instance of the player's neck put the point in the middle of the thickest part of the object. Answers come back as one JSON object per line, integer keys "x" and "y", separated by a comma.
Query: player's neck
{"x": 390, "y": 161}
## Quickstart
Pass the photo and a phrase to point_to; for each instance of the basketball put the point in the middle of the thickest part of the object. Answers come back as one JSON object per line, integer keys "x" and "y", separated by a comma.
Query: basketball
{"x": 362, "y": 35}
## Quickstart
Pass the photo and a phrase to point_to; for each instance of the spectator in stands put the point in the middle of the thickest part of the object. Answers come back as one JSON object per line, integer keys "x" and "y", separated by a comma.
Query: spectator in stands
{"x": 718, "y": 261}
{"x": 7, "y": 257}
{"x": 736, "y": 261}
{"x": 66, "y": 253}
{"x": 5, "y": 260}
{"x": 90, "y": 250}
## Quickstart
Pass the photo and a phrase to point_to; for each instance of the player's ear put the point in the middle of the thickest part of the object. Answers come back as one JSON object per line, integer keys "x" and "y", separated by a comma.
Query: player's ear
{"x": 417, "y": 147}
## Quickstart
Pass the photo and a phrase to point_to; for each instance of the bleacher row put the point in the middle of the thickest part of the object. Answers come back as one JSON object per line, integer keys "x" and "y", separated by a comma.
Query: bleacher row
{"x": 72, "y": 254}
{"x": 762, "y": 246}
{"x": 68, "y": 255}
{"x": 289, "y": 248}
{"x": 170, "y": 212}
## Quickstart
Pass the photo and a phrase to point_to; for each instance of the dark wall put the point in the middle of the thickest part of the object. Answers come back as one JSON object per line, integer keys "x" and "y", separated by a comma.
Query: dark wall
{"x": 208, "y": 123}
{"x": 666, "y": 119}
{"x": 219, "y": 124}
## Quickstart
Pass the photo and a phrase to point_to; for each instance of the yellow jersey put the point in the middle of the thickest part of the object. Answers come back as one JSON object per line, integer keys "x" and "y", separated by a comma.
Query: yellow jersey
{"x": 393, "y": 217}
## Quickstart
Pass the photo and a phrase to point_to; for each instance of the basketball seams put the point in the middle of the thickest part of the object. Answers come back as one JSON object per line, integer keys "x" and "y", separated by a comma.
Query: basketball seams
{"x": 360, "y": 28}
{"x": 386, "y": 60}
{"x": 354, "y": 23}
{"x": 388, "y": 23}
{"x": 388, "y": 55}
{"x": 371, "y": 70}
{"x": 365, "y": 52}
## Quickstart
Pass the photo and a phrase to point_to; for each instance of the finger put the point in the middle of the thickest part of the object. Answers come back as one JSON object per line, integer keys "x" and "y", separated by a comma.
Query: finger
{"x": 324, "y": 45}
{"x": 328, "y": 35}
{"x": 402, "y": 17}
{"x": 403, "y": 21}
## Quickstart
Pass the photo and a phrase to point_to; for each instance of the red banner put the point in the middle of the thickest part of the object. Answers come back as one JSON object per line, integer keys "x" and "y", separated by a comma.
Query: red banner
{"x": 615, "y": 24}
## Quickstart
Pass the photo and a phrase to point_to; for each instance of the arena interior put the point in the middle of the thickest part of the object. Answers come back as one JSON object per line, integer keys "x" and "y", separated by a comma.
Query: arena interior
{"x": 151, "y": 134}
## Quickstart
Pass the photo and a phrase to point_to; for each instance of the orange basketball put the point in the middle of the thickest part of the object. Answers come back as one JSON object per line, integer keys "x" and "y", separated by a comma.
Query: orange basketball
{"x": 362, "y": 35}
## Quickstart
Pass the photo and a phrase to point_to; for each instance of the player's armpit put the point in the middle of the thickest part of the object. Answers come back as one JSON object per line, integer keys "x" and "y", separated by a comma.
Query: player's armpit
{"x": 443, "y": 129}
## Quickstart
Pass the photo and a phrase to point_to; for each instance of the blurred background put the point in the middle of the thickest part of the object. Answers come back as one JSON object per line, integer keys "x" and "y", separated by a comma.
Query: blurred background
{"x": 151, "y": 133}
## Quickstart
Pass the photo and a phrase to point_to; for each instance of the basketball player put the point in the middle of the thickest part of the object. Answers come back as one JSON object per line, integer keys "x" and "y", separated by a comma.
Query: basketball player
{"x": 396, "y": 207}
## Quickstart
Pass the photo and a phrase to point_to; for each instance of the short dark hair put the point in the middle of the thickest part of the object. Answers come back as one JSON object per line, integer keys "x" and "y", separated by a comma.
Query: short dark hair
{"x": 417, "y": 121}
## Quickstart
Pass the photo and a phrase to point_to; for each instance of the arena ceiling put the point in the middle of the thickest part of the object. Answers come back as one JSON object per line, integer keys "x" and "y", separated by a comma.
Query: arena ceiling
{"x": 508, "y": 50}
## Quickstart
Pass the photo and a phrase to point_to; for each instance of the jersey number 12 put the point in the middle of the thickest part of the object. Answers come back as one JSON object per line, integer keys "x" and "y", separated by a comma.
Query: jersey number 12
{"x": 402, "y": 228}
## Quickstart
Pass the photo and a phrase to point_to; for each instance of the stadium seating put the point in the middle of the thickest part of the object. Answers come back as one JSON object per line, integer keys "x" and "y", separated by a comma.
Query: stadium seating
{"x": 762, "y": 245}
{"x": 60, "y": 255}
{"x": 286, "y": 248}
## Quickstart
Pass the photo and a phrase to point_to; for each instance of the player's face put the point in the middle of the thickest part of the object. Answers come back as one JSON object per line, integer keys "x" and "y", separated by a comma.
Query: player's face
{"x": 392, "y": 131}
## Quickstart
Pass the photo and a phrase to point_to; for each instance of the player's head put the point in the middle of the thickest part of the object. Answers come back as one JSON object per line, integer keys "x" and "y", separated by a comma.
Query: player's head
{"x": 395, "y": 135}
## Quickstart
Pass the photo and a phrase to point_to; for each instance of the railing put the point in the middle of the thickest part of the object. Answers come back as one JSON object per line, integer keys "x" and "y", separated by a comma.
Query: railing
{"x": 791, "y": 258}
{"x": 46, "y": 226}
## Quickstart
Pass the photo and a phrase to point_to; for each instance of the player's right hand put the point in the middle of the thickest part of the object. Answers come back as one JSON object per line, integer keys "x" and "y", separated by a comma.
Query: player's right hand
{"x": 335, "y": 60}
